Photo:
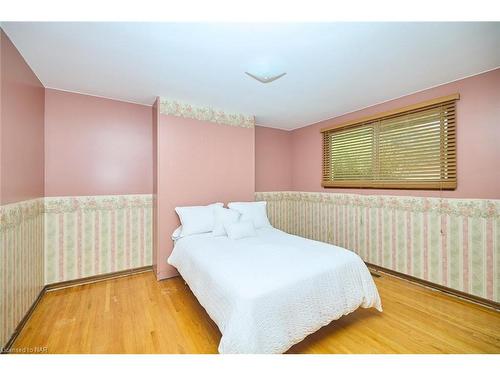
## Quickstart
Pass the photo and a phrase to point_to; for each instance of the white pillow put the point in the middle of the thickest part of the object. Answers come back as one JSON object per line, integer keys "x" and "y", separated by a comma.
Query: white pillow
{"x": 240, "y": 229}
{"x": 177, "y": 233}
{"x": 224, "y": 216}
{"x": 197, "y": 219}
{"x": 254, "y": 211}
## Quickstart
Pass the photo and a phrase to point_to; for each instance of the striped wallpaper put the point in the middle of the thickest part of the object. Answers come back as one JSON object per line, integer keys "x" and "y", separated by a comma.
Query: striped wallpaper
{"x": 21, "y": 262}
{"x": 451, "y": 242}
{"x": 48, "y": 240}
{"x": 87, "y": 236}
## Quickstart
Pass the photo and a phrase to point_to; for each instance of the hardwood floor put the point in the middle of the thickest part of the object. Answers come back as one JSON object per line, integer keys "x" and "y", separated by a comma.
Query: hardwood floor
{"x": 137, "y": 314}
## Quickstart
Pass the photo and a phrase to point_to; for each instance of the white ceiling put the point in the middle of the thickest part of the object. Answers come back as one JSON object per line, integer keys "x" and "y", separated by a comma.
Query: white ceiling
{"x": 332, "y": 68}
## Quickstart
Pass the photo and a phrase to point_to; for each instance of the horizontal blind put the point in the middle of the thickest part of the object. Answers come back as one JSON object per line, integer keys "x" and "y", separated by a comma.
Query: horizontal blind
{"x": 351, "y": 153}
{"x": 412, "y": 149}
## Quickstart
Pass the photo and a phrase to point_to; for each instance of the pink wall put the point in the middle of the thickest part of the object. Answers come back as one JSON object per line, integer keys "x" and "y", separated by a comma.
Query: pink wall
{"x": 273, "y": 159}
{"x": 478, "y": 135}
{"x": 96, "y": 146}
{"x": 199, "y": 163}
{"x": 21, "y": 128}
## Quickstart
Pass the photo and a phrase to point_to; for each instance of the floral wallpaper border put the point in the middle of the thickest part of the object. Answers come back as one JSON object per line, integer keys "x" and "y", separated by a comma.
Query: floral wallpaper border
{"x": 96, "y": 202}
{"x": 464, "y": 207}
{"x": 12, "y": 215}
{"x": 179, "y": 109}
{"x": 451, "y": 242}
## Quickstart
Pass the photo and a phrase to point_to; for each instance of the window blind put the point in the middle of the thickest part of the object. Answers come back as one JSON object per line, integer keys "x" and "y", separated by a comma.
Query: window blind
{"x": 412, "y": 148}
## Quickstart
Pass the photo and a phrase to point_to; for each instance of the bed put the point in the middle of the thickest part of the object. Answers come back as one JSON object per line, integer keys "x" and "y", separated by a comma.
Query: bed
{"x": 268, "y": 292}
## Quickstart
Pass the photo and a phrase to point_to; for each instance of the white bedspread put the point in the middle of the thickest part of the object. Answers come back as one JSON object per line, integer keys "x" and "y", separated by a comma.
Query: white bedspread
{"x": 269, "y": 292}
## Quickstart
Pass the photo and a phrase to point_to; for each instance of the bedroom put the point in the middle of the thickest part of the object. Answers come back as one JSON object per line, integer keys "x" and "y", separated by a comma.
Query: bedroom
{"x": 250, "y": 188}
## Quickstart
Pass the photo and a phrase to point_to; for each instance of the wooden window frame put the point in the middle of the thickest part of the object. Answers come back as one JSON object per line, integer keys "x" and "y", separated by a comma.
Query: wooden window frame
{"x": 450, "y": 184}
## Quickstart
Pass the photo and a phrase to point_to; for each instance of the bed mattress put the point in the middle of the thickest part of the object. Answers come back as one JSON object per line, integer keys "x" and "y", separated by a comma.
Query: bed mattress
{"x": 267, "y": 293}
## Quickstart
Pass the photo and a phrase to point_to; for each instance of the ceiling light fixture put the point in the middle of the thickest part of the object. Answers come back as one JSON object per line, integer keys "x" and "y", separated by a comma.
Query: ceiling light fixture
{"x": 265, "y": 79}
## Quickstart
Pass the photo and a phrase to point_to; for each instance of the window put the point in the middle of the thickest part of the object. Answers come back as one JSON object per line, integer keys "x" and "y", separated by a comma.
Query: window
{"x": 410, "y": 148}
